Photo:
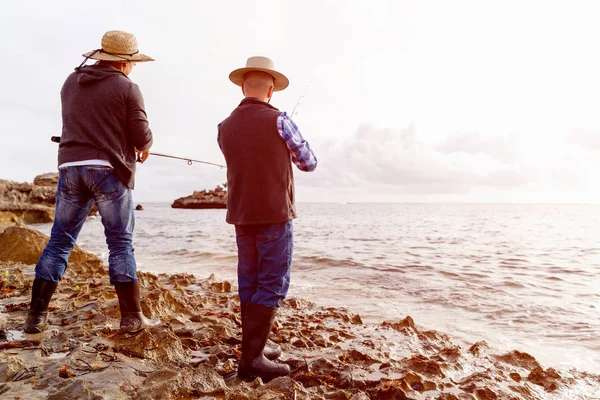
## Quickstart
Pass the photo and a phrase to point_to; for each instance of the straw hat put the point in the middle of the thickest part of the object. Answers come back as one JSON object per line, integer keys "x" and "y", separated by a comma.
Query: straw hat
{"x": 118, "y": 46}
{"x": 262, "y": 64}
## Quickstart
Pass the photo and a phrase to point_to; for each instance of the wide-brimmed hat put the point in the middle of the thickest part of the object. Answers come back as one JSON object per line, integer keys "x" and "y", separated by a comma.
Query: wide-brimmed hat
{"x": 262, "y": 64}
{"x": 118, "y": 46}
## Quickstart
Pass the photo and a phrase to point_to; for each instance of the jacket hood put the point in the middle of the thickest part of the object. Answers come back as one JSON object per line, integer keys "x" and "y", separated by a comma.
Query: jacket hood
{"x": 94, "y": 73}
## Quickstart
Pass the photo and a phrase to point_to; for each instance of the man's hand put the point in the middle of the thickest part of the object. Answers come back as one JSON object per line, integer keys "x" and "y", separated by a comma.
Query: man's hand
{"x": 142, "y": 155}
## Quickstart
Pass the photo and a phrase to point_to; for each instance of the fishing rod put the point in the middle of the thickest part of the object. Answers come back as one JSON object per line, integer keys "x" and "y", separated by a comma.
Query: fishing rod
{"x": 300, "y": 98}
{"x": 190, "y": 161}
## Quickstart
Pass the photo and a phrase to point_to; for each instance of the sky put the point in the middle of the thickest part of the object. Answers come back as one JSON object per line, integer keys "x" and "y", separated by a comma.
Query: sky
{"x": 401, "y": 101}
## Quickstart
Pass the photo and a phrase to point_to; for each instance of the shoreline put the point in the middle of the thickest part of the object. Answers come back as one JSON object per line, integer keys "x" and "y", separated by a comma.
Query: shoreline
{"x": 194, "y": 353}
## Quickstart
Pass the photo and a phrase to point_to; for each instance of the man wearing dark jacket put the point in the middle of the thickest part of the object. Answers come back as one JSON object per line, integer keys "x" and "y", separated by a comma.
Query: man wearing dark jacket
{"x": 104, "y": 128}
{"x": 258, "y": 141}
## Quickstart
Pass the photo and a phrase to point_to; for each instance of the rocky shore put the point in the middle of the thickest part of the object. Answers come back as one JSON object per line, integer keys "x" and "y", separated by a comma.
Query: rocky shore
{"x": 194, "y": 353}
{"x": 29, "y": 203}
{"x": 205, "y": 199}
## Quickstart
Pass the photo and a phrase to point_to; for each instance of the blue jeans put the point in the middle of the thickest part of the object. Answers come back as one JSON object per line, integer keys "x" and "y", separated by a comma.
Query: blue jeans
{"x": 264, "y": 262}
{"x": 78, "y": 188}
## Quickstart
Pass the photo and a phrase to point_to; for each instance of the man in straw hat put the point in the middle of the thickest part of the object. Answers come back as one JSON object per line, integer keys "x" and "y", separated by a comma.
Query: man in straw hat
{"x": 104, "y": 128}
{"x": 258, "y": 141}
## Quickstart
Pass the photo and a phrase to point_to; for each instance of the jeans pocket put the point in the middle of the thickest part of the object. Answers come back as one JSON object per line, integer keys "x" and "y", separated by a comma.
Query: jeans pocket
{"x": 64, "y": 183}
{"x": 104, "y": 183}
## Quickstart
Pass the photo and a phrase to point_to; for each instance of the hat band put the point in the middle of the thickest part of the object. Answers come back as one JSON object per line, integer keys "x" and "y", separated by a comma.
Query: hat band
{"x": 119, "y": 54}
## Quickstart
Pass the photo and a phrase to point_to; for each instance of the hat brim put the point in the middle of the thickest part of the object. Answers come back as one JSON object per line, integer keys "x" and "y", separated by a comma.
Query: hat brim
{"x": 99, "y": 55}
{"x": 280, "y": 80}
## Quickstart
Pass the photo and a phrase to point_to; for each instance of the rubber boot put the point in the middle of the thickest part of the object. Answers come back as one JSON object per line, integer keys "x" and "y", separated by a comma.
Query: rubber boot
{"x": 37, "y": 316}
{"x": 272, "y": 352}
{"x": 132, "y": 317}
{"x": 255, "y": 333}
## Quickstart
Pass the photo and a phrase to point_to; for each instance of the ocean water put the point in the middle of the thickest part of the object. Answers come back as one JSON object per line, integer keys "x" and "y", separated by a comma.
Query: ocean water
{"x": 524, "y": 277}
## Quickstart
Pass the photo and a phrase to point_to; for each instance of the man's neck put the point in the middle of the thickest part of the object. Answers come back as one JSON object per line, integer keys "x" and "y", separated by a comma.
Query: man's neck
{"x": 264, "y": 99}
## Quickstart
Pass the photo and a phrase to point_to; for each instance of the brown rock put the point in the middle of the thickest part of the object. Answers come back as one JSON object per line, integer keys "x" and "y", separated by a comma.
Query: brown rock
{"x": 9, "y": 368}
{"x": 477, "y": 348}
{"x": 520, "y": 359}
{"x": 78, "y": 390}
{"x": 38, "y": 216}
{"x": 158, "y": 344}
{"x": 407, "y": 325}
{"x": 207, "y": 381}
{"x": 216, "y": 198}
{"x": 25, "y": 245}
{"x": 47, "y": 179}
{"x": 548, "y": 379}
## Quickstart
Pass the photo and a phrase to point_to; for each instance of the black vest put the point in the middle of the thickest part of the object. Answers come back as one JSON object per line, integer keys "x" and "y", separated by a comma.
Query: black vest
{"x": 260, "y": 179}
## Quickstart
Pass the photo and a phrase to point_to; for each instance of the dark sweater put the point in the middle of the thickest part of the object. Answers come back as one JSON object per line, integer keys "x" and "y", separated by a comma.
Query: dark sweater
{"x": 103, "y": 119}
{"x": 259, "y": 170}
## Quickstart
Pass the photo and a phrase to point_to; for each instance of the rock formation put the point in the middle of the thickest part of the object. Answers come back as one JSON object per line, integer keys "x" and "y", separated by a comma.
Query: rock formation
{"x": 216, "y": 198}
{"x": 30, "y": 203}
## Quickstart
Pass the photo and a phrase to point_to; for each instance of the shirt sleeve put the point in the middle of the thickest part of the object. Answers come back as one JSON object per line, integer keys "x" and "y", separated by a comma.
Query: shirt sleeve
{"x": 137, "y": 120}
{"x": 300, "y": 151}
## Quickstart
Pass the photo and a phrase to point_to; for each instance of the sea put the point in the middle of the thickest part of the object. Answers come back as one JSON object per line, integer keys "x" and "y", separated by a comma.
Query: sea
{"x": 519, "y": 276}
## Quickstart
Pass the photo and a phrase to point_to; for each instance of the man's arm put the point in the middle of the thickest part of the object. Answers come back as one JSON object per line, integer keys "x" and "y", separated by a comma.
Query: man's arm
{"x": 302, "y": 155}
{"x": 140, "y": 134}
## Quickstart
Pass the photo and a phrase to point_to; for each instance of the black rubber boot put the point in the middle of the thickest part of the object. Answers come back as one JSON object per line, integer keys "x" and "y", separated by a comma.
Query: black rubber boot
{"x": 271, "y": 352}
{"x": 132, "y": 317}
{"x": 37, "y": 316}
{"x": 255, "y": 333}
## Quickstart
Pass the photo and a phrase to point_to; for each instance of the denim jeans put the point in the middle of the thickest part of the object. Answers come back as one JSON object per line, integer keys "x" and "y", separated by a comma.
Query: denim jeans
{"x": 264, "y": 262}
{"x": 78, "y": 188}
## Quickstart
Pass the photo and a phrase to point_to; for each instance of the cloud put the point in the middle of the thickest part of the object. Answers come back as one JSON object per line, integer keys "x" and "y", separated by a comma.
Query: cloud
{"x": 587, "y": 138}
{"x": 504, "y": 149}
{"x": 398, "y": 160}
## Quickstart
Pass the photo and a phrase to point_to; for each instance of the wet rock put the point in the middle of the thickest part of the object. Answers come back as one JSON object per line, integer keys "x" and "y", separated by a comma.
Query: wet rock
{"x": 163, "y": 384}
{"x": 515, "y": 377}
{"x": 9, "y": 367}
{"x": 519, "y": 359}
{"x": 548, "y": 379}
{"x": 206, "y": 381}
{"x": 357, "y": 357}
{"x": 407, "y": 325}
{"x": 158, "y": 344}
{"x": 78, "y": 390}
{"x": 389, "y": 391}
{"x": 485, "y": 394}
{"x": 221, "y": 287}
{"x": 425, "y": 366}
{"x": 478, "y": 348}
